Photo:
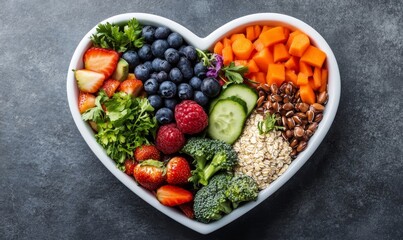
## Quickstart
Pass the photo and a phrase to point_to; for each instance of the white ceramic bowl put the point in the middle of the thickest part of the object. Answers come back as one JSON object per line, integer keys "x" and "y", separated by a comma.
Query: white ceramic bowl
{"x": 207, "y": 43}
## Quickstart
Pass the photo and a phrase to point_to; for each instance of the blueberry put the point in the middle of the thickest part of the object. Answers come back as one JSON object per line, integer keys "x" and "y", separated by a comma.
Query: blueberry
{"x": 159, "y": 47}
{"x": 142, "y": 72}
{"x": 148, "y": 33}
{"x": 156, "y": 64}
{"x": 165, "y": 66}
{"x": 161, "y": 76}
{"x": 155, "y": 101}
{"x": 151, "y": 86}
{"x": 172, "y": 56}
{"x": 195, "y": 82}
{"x": 145, "y": 53}
{"x": 190, "y": 53}
{"x": 170, "y": 103}
{"x": 153, "y": 75}
{"x": 200, "y": 98}
{"x": 186, "y": 68}
{"x": 167, "y": 89}
{"x": 180, "y": 50}
{"x": 132, "y": 58}
{"x": 200, "y": 70}
{"x": 175, "y": 40}
{"x": 210, "y": 87}
{"x": 175, "y": 75}
{"x": 162, "y": 32}
{"x": 164, "y": 115}
{"x": 149, "y": 66}
{"x": 185, "y": 91}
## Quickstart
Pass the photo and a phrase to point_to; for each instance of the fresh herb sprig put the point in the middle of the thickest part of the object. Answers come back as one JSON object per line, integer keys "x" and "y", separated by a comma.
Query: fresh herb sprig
{"x": 118, "y": 38}
{"x": 268, "y": 124}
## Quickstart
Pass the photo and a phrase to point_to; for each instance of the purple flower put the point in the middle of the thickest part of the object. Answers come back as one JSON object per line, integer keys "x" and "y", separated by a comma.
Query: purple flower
{"x": 215, "y": 68}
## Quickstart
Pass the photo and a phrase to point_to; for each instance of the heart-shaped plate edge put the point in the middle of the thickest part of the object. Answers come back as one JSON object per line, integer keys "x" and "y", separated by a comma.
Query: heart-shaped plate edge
{"x": 334, "y": 88}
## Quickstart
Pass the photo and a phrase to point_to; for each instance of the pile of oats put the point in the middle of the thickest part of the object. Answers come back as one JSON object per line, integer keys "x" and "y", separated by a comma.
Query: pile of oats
{"x": 263, "y": 157}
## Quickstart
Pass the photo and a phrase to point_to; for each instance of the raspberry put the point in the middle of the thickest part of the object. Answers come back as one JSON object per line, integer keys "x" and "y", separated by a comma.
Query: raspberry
{"x": 169, "y": 139}
{"x": 190, "y": 117}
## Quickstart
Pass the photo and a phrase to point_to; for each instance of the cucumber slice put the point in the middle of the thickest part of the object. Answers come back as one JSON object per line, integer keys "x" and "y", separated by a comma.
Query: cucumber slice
{"x": 226, "y": 120}
{"x": 241, "y": 91}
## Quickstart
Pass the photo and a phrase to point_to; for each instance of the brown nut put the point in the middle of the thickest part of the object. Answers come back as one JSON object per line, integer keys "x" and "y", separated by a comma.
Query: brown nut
{"x": 260, "y": 101}
{"x": 318, "y": 107}
{"x": 288, "y": 106}
{"x": 297, "y": 120}
{"x": 290, "y": 123}
{"x": 301, "y": 146}
{"x": 313, "y": 126}
{"x": 289, "y": 113}
{"x": 289, "y": 133}
{"x": 299, "y": 132}
{"x": 318, "y": 117}
{"x": 310, "y": 115}
{"x": 322, "y": 97}
{"x": 294, "y": 143}
{"x": 274, "y": 89}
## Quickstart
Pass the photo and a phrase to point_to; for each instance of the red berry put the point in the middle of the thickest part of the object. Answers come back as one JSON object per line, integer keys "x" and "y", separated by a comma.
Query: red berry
{"x": 187, "y": 209}
{"x": 170, "y": 195}
{"x": 146, "y": 152}
{"x": 101, "y": 60}
{"x": 149, "y": 174}
{"x": 129, "y": 166}
{"x": 190, "y": 117}
{"x": 85, "y": 101}
{"x": 169, "y": 139}
{"x": 131, "y": 86}
{"x": 110, "y": 86}
{"x": 178, "y": 171}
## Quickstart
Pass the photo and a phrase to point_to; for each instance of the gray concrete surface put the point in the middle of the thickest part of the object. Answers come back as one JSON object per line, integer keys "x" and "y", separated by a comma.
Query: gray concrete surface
{"x": 53, "y": 187}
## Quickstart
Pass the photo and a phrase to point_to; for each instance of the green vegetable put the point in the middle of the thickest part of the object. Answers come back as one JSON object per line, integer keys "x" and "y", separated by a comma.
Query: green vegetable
{"x": 241, "y": 189}
{"x": 128, "y": 123}
{"x": 118, "y": 38}
{"x": 268, "y": 124}
{"x": 234, "y": 74}
{"x": 210, "y": 156}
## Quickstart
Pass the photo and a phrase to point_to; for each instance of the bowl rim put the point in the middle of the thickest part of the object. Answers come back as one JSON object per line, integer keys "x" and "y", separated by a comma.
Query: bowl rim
{"x": 334, "y": 89}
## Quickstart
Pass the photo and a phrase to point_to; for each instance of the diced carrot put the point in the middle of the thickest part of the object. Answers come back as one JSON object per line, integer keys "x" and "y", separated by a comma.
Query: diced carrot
{"x": 280, "y": 53}
{"x": 292, "y": 63}
{"x": 258, "y": 44}
{"x": 258, "y": 30}
{"x": 286, "y": 32}
{"x": 275, "y": 74}
{"x": 265, "y": 29}
{"x": 252, "y": 66}
{"x": 290, "y": 76}
{"x": 242, "y": 48}
{"x": 323, "y": 84}
{"x": 263, "y": 58}
{"x": 236, "y": 36}
{"x": 250, "y": 33}
{"x": 227, "y": 42}
{"x": 307, "y": 94}
{"x": 259, "y": 77}
{"x": 218, "y": 48}
{"x": 299, "y": 45}
{"x": 317, "y": 78}
{"x": 302, "y": 79}
{"x": 314, "y": 56}
{"x": 305, "y": 68}
{"x": 272, "y": 36}
{"x": 311, "y": 83}
{"x": 227, "y": 55}
{"x": 291, "y": 37}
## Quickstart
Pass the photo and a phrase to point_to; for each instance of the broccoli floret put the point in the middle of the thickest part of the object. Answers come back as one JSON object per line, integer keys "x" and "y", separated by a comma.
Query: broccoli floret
{"x": 210, "y": 202}
{"x": 210, "y": 156}
{"x": 241, "y": 189}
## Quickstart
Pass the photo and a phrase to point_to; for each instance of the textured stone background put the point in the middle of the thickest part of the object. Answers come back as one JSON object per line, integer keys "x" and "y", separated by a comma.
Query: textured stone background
{"x": 53, "y": 187}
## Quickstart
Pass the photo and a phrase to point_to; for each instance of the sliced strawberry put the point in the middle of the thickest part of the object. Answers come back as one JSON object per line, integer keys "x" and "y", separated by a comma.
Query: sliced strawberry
{"x": 131, "y": 86}
{"x": 110, "y": 86}
{"x": 170, "y": 195}
{"x": 85, "y": 101}
{"x": 101, "y": 60}
{"x": 89, "y": 81}
{"x": 187, "y": 209}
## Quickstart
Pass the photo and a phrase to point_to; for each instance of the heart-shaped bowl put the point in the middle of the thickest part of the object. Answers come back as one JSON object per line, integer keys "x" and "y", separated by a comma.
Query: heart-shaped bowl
{"x": 207, "y": 43}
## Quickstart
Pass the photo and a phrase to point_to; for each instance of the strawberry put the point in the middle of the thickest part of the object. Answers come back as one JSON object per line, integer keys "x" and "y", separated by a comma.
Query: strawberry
{"x": 178, "y": 171}
{"x": 89, "y": 81}
{"x": 149, "y": 174}
{"x": 110, "y": 86}
{"x": 170, "y": 195}
{"x": 101, "y": 60}
{"x": 129, "y": 166}
{"x": 146, "y": 152}
{"x": 187, "y": 209}
{"x": 85, "y": 101}
{"x": 169, "y": 139}
{"x": 131, "y": 86}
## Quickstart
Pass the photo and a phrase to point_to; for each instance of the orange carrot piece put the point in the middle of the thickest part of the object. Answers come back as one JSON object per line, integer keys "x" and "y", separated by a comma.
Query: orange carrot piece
{"x": 275, "y": 74}
{"x": 307, "y": 94}
{"x": 227, "y": 42}
{"x": 314, "y": 56}
{"x": 265, "y": 28}
{"x": 242, "y": 48}
{"x": 236, "y": 36}
{"x": 317, "y": 78}
{"x": 263, "y": 58}
{"x": 311, "y": 83}
{"x": 291, "y": 76}
{"x": 292, "y": 63}
{"x": 218, "y": 48}
{"x": 252, "y": 66}
{"x": 286, "y": 32}
{"x": 280, "y": 53}
{"x": 305, "y": 68}
{"x": 259, "y": 77}
{"x": 272, "y": 36}
{"x": 323, "y": 84}
{"x": 302, "y": 79}
{"x": 291, "y": 37}
{"x": 258, "y": 30}
{"x": 258, "y": 44}
{"x": 250, "y": 33}
{"x": 227, "y": 55}
{"x": 299, "y": 45}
